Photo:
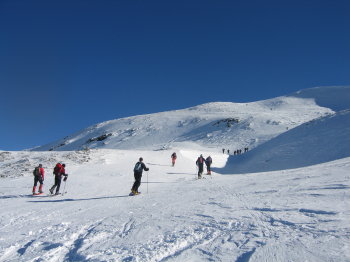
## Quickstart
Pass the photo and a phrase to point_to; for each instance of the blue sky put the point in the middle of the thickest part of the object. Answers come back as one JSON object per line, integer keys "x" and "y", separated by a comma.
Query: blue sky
{"x": 66, "y": 65}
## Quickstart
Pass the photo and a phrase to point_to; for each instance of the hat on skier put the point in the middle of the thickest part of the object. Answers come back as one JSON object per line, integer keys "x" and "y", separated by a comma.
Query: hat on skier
{"x": 140, "y": 159}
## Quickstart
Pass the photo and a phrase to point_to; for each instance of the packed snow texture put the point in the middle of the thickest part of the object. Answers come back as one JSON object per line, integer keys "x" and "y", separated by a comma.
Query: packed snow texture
{"x": 286, "y": 199}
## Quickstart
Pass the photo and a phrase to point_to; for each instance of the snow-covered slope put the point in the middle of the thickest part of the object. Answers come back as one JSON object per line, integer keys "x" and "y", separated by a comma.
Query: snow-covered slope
{"x": 214, "y": 125}
{"x": 336, "y": 98}
{"x": 321, "y": 140}
{"x": 291, "y": 215}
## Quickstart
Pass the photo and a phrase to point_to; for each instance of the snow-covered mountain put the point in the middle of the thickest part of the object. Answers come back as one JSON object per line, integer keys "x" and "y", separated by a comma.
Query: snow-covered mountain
{"x": 286, "y": 199}
{"x": 214, "y": 125}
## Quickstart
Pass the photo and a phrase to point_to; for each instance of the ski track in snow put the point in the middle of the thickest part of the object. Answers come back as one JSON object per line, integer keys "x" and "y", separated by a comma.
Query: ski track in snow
{"x": 211, "y": 220}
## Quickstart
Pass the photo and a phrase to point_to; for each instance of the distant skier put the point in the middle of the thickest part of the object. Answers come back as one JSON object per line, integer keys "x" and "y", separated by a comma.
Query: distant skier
{"x": 38, "y": 177}
{"x": 200, "y": 162}
{"x": 223, "y": 150}
{"x": 208, "y": 163}
{"x": 138, "y": 169}
{"x": 173, "y": 158}
{"x": 58, "y": 171}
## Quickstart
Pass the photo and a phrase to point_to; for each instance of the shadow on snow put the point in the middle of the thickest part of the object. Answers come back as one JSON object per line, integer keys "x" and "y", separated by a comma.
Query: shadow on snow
{"x": 72, "y": 200}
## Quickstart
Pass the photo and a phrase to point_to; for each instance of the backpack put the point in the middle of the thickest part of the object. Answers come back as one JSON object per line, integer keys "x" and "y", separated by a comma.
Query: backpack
{"x": 36, "y": 171}
{"x": 57, "y": 169}
{"x": 138, "y": 167}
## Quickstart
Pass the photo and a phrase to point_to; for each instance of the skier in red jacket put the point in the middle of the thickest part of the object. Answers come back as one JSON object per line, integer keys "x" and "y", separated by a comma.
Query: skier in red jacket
{"x": 173, "y": 158}
{"x": 58, "y": 171}
{"x": 38, "y": 177}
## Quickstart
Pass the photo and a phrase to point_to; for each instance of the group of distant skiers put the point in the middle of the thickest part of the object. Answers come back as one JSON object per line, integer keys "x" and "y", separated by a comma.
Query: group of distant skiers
{"x": 39, "y": 174}
{"x": 236, "y": 152}
{"x": 59, "y": 171}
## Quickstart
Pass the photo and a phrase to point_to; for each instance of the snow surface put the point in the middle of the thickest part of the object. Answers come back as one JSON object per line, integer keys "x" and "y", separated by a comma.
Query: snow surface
{"x": 287, "y": 199}
{"x": 214, "y": 125}
{"x": 321, "y": 140}
{"x": 336, "y": 98}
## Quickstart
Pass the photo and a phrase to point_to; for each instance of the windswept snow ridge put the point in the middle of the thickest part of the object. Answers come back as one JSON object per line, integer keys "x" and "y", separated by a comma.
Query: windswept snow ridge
{"x": 336, "y": 98}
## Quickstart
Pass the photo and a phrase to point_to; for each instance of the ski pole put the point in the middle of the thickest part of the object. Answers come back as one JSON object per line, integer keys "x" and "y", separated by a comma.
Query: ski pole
{"x": 147, "y": 182}
{"x": 64, "y": 189}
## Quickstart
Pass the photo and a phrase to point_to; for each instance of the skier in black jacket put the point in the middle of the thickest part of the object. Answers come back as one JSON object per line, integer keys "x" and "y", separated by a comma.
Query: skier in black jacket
{"x": 208, "y": 163}
{"x": 200, "y": 162}
{"x": 139, "y": 167}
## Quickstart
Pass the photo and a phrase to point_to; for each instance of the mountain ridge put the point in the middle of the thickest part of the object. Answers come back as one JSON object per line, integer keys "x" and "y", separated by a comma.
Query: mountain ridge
{"x": 214, "y": 124}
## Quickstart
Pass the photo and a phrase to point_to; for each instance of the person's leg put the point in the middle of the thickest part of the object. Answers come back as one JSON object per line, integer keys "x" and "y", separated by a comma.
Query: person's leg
{"x": 41, "y": 185}
{"x": 58, "y": 182}
{"x": 133, "y": 189}
{"x": 35, "y": 184}
{"x": 138, "y": 181}
{"x": 200, "y": 172}
{"x": 54, "y": 186}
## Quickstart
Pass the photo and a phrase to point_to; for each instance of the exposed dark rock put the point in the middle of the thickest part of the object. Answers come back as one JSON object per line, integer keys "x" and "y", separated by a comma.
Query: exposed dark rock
{"x": 99, "y": 138}
{"x": 53, "y": 148}
{"x": 227, "y": 121}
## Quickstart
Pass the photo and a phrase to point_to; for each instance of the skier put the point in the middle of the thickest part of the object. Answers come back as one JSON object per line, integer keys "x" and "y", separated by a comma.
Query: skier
{"x": 208, "y": 162}
{"x": 139, "y": 167}
{"x": 200, "y": 162}
{"x": 173, "y": 158}
{"x": 223, "y": 150}
{"x": 58, "y": 171}
{"x": 38, "y": 177}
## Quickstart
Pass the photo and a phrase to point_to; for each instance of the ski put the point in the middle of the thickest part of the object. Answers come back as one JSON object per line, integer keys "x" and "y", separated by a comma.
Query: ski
{"x": 37, "y": 194}
{"x": 52, "y": 195}
{"x": 132, "y": 194}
